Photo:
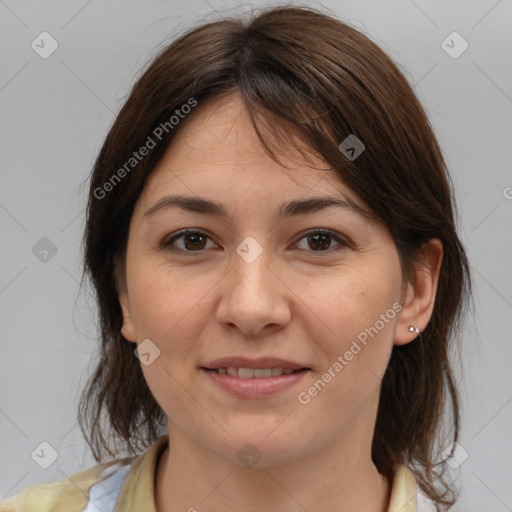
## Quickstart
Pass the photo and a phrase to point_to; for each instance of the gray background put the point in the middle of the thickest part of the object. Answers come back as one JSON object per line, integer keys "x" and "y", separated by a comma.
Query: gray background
{"x": 55, "y": 113}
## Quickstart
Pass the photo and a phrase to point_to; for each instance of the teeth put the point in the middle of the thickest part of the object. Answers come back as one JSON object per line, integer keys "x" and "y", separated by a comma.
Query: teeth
{"x": 263, "y": 372}
{"x": 245, "y": 373}
{"x": 250, "y": 373}
{"x": 232, "y": 371}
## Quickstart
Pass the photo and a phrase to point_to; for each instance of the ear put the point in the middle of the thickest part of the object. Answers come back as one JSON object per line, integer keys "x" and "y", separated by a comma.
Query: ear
{"x": 128, "y": 328}
{"x": 420, "y": 295}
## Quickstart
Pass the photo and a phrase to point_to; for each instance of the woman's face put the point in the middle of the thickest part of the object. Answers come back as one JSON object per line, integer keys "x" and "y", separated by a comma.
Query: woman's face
{"x": 253, "y": 284}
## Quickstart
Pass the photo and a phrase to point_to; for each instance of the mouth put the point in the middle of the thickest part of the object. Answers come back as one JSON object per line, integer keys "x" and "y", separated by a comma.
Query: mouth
{"x": 254, "y": 373}
{"x": 254, "y": 378}
{"x": 245, "y": 368}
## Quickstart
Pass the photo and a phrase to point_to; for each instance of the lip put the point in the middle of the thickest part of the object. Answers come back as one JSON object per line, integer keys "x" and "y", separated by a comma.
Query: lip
{"x": 244, "y": 362}
{"x": 260, "y": 387}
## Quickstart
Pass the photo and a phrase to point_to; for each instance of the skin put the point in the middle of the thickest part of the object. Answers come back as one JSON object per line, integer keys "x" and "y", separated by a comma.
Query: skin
{"x": 294, "y": 301}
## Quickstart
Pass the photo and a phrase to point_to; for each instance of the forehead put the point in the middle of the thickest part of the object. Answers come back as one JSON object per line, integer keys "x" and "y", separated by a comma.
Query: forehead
{"x": 217, "y": 153}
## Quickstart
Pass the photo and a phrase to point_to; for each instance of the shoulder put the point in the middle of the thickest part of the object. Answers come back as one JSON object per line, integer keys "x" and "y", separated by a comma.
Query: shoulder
{"x": 71, "y": 493}
{"x": 406, "y": 494}
{"x": 118, "y": 485}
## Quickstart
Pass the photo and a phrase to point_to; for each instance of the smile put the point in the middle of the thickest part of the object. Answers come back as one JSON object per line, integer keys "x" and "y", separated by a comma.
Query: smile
{"x": 251, "y": 373}
{"x": 254, "y": 383}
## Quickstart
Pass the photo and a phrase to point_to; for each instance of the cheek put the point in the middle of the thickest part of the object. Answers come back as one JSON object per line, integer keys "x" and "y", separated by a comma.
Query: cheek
{"x": 166, "y": 308}
{"x": 351, "y": 303}
{"x": 360, "y": 314}
{"x": 165, "y": 300}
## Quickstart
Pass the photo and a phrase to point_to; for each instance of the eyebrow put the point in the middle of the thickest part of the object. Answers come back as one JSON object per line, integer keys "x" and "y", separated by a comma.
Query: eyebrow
{"x": 289, "y": 209}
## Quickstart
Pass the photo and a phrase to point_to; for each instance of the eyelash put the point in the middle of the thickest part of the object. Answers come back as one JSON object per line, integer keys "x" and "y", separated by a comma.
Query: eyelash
{"x": 167, "y": 244}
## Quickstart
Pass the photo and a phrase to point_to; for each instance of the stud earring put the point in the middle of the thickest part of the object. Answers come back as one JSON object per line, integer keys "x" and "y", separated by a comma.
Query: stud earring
{"x": 412, "y": 328}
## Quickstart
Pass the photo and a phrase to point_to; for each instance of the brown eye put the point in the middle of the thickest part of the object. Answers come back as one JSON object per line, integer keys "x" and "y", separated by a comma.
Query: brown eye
{"x": 321, "y": 240}
{"x": 193, "y": 241}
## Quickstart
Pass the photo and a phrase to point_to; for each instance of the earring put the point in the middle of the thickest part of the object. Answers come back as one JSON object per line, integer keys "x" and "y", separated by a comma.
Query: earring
{"x": 412, "y": 328}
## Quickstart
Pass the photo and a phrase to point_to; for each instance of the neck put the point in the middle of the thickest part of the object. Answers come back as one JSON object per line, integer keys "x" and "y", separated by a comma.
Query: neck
{"x": 337, "y": 479}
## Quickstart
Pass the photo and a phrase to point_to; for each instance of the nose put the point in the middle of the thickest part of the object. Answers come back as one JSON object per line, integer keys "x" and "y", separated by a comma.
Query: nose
{"x": 254, "y": 297}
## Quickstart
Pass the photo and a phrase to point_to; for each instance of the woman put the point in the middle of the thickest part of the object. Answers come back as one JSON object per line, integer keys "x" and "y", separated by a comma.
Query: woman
{"x": 271, "y": 237}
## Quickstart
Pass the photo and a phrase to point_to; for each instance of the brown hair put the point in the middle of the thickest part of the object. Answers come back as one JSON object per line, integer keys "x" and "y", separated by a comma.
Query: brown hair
{"x": 305, "y": 72}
